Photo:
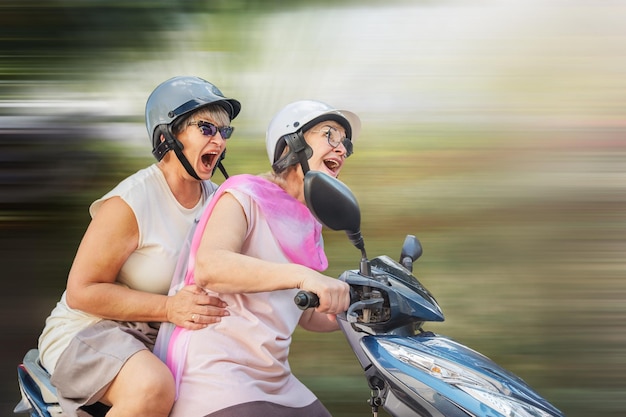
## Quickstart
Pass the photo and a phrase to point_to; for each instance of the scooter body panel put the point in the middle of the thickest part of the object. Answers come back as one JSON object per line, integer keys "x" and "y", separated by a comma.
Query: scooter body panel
{"x": 33, "y": 402}
{"x": 439, "y": 375}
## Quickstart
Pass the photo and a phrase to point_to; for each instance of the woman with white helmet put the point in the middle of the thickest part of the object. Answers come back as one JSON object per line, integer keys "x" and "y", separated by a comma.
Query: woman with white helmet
{"x": 255, "y": 246}
{"x": 97, "y": 341}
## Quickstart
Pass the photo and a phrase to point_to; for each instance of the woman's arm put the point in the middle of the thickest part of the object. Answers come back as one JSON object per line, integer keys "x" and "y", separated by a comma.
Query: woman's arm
{"x": 318, "y": 322}
{"x": 222, "y": 268}
{"x": 108, "y": 242}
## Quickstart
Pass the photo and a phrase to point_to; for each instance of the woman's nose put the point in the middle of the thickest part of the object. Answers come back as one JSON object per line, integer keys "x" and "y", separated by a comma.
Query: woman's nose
{"x": 217, "y": 138}
{"x": 341, "y": 149}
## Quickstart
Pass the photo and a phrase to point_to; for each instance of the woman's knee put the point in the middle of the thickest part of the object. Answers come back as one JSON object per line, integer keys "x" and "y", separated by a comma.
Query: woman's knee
{"x": 145, "y": 379}
{"x": 156, "y": 383}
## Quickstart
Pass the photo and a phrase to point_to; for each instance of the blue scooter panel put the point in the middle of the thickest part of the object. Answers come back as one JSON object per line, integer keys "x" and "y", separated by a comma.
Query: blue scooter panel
{"x": 440, "y": 372}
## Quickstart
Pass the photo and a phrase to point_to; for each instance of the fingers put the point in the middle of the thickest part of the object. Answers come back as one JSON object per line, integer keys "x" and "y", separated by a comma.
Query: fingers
{"x": 192, "y": 308}
{"x": 207, "y": 316}
{"x": 208, "y": 309}
{"x": 203, "y": 297}
{"x": 334, "y": 295}
{"x": 334, "y": 298}
{"x": 210, "y": 301}
{"x": 203, "y": 314}
{"x": 193, "y": 322}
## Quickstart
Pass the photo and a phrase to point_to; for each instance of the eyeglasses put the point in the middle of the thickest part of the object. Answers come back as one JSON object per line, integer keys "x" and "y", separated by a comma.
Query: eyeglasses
{"x": 334, "y": 138}
{"x": 209, "y": 129}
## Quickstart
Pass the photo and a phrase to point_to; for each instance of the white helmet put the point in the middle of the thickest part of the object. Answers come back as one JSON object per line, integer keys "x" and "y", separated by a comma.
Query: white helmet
{"x": 289, "y": 124}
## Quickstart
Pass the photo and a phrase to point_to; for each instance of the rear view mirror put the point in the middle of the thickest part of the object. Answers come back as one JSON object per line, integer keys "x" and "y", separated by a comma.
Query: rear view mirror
{"x": 334, "y": 205}
{"x": 331, "y": 202}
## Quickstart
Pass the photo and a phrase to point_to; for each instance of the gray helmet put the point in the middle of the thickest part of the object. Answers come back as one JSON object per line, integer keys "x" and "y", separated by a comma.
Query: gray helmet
{"x": 177, "y": 97}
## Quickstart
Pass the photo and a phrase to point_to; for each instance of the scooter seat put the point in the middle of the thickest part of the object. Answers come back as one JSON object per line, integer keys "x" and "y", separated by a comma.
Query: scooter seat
{"x": 40, "y": 376}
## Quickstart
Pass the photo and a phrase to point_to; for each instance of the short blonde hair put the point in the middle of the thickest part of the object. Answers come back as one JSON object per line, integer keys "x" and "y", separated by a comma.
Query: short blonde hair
{"x": 213, "y": 112}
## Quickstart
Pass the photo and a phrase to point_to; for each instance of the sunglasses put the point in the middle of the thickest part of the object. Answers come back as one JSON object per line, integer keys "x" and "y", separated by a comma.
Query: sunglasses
{"x": 209, "y": 129}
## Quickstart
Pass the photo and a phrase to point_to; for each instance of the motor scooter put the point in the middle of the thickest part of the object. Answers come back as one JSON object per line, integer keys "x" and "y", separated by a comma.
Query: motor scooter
{"x": 411, "y": 372}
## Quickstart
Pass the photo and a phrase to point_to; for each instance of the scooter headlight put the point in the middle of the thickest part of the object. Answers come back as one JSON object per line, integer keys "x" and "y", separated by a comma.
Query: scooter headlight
{"x": 506, "y": 406}
{"x": 479, "y": 386}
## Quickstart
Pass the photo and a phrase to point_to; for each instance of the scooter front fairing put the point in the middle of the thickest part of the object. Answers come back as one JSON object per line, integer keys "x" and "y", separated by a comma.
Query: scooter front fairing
{"x": 441, "y": 377}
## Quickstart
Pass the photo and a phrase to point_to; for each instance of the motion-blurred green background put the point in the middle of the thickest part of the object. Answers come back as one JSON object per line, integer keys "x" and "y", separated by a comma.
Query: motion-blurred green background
{"x": 492, "y": 130}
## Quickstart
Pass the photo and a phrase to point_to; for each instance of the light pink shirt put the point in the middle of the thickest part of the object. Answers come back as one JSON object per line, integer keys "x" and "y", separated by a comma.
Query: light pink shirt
{"x": 244, "y": 357}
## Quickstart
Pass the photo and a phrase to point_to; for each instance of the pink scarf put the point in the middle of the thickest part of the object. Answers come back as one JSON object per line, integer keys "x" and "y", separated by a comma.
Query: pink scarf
{"x": 297, "y": 231}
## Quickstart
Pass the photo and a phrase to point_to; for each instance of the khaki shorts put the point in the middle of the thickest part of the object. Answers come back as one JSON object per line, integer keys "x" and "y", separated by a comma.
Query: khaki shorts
{"x": 93, "y": 359}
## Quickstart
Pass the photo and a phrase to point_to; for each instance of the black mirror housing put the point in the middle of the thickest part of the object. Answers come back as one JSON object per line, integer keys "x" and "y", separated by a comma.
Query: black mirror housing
{"x": 331, "y": 202}
{"x": 334, "y": 205}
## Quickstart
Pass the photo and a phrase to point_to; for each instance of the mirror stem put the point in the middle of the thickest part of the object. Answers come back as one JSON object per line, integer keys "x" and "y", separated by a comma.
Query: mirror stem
{"x": 364, "y": 268}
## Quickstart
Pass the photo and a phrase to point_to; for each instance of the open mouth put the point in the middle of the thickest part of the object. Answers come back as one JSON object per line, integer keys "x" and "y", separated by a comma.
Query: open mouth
{"x": 332, "y": 165}
{"x": 209, "y": 159}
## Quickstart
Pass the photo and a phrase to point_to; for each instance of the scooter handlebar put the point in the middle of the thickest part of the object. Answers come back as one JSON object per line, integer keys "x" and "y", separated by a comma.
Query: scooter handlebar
{"x": 306, "y": 299}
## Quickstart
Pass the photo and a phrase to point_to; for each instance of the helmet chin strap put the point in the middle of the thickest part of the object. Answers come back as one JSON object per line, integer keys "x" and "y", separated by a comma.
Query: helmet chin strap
{"x": 298, "y": 145}
{"x": 220, "y": 165}
{"x": 171, "y": 143}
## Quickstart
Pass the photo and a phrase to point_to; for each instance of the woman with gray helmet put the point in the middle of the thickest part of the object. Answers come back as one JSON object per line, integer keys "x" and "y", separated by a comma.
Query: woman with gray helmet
{"x": 255, "y": 246}
{"x": 97, "y": 341}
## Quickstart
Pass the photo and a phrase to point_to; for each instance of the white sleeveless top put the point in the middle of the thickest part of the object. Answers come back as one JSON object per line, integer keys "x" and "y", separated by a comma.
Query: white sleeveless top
{"x": 163, "y": 227}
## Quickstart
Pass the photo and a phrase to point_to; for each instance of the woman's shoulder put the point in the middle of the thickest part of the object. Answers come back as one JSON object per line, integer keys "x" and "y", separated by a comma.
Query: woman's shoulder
{"x": 149, "y": 174}
{"x": 134, "y": 188}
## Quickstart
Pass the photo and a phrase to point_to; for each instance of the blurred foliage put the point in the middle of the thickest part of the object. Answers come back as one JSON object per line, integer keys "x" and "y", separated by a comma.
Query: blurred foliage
{"x": 56, "y": 40}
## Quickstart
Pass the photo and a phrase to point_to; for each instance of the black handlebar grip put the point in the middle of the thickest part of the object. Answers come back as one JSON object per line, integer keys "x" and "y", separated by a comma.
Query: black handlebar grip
{"x": 305, "y": 299}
